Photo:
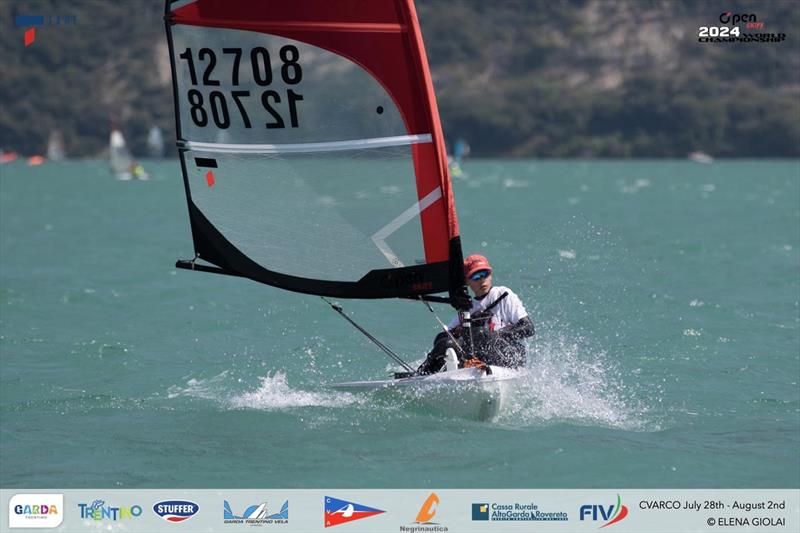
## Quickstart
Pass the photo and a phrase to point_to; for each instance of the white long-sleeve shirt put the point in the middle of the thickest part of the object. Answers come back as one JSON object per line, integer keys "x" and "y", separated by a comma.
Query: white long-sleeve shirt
{"x": 508, "y": 312}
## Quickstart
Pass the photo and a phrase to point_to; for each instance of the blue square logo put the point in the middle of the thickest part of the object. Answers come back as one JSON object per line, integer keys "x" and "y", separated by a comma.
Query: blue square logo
{"x": 480, "y": 511}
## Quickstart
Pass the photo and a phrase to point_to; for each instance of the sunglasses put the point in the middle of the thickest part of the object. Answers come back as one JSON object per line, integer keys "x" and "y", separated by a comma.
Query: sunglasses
{"x": 480, "y": 275}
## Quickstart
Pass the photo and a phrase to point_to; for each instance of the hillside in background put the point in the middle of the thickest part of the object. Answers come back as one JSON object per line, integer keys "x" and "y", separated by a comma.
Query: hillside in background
{"x": 529, "y": 78}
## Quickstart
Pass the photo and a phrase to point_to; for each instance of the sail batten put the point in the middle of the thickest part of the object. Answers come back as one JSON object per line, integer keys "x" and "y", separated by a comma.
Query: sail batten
{"x": 331, "y": 146}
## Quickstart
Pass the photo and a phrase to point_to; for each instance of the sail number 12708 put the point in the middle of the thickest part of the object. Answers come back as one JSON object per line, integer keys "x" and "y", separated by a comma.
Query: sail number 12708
{"x": 216, "y": 107}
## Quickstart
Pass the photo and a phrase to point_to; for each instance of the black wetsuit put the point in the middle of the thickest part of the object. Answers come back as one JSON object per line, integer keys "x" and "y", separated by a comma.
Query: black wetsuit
{"x": 503, "y": 347}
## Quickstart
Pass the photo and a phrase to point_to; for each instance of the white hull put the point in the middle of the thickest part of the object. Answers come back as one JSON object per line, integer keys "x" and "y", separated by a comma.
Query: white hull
{"x": 464, "y": 393}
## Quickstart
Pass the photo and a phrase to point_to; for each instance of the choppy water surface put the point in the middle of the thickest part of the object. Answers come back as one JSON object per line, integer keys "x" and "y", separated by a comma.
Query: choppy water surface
{"x": 665, "y": 295}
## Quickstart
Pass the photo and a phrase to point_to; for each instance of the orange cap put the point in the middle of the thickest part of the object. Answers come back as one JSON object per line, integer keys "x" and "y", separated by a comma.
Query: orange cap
{"x": 474, "y": 263}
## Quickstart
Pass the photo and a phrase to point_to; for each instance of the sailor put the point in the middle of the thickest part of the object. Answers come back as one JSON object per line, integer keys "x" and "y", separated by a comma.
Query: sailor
{"x": 499, "y": 324}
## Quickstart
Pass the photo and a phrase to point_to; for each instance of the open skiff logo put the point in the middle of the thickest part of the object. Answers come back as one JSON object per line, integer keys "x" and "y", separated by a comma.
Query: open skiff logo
{"x": 176, "y": 510}
{"x": 35, "y": 510}
{"x": 610, "y": 513}
{"x": 341, "y": 511}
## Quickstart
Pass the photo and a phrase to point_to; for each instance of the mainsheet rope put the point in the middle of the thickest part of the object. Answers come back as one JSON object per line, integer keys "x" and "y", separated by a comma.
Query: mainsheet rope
{"x": 367, "y": 334}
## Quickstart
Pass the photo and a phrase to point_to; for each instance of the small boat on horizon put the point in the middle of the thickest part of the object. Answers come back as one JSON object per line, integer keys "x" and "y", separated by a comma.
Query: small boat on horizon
{"x": 121, "y": 160}
{"x": 700, "y": 157}
{"x": 55, "y": 146}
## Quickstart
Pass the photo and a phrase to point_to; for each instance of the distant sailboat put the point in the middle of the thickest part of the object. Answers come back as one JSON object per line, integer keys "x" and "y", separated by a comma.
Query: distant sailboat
{"x": 122, "y": 163}
{"x": 700, "y": 157}
{"x": 155, "y": 143}
{"x": 55, "y": 146}
{"x": 460, "y": 151}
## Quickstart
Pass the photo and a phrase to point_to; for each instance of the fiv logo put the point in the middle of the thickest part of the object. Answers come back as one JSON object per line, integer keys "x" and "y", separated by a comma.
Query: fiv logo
{"x": 610, "y": 513}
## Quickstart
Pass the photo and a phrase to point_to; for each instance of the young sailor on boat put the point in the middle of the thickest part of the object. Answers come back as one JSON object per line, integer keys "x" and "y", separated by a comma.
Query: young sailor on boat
{"x": 500, "y": 324}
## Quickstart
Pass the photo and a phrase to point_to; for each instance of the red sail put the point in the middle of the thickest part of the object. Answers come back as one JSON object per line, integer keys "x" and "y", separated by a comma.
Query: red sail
{"x": 384, "y": 40}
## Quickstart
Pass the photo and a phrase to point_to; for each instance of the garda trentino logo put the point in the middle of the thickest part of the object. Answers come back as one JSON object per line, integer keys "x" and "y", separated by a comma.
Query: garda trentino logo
{"x": 611, "y": 514}
{"x": 99, "y": 511}
{"x": 35, "y": 510}
{"x": 176, "y": 510}
{"x": 341, "y": 511}
{"x": 424, "y": 522}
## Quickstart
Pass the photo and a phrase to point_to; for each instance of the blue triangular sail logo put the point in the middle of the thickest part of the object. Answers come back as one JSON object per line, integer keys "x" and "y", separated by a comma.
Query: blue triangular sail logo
{"x": 340, "y": 511}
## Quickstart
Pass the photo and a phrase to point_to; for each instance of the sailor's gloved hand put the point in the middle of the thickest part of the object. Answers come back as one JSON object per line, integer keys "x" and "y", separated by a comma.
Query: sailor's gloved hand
{"x": 518, "y": 331}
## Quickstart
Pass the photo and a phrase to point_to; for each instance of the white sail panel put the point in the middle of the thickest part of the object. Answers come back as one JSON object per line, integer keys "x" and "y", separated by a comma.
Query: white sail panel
{"x": 315, "y": 214}
{"x": 288, "y": 91}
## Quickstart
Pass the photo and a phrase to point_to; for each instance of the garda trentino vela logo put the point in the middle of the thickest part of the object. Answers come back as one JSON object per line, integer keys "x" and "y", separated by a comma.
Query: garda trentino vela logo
{"x": 341, "y": 511}
{"x": 257, "y": 514}
{"x": 35, "y": 510}
{"x": 176, "y": 510}
{"x": 611, "y": 513}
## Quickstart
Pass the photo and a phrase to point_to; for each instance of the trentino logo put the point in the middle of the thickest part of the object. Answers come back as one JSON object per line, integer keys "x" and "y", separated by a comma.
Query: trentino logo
{"x": 611, "y": 513}
{"x": 176, "y": 510}
{"x": 341, "y": 511}
{"x": 35, "y": 510}
{"x": 257, "y": 514}
{"x": 99, "y": 511}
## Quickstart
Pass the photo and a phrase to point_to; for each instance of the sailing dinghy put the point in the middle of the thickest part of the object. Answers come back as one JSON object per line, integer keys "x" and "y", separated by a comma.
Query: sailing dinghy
{"x": 121, "y": 160}
{"x": 332, "y": 178}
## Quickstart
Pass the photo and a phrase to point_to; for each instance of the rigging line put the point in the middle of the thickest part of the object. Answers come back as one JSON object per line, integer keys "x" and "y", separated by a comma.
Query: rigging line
{"x": 367, "y": 334}
{"x": 449, "y": 334}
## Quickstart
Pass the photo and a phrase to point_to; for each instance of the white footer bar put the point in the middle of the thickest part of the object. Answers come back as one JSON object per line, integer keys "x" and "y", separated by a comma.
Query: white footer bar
{"x": 423, "y": 510}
